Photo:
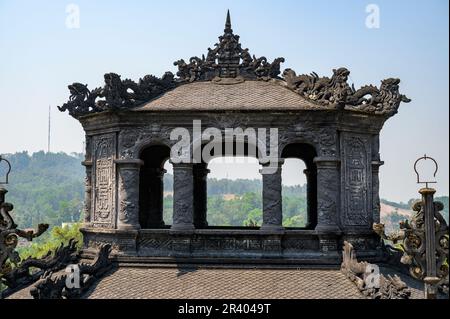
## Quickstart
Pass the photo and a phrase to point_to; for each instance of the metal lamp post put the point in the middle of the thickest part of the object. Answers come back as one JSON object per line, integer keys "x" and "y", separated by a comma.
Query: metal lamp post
{"x": 429, "y": 210}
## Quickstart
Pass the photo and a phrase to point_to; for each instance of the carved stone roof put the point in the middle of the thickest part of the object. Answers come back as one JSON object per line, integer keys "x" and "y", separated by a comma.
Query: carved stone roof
{"x": 231, "y": 65}
{"x": 249, "y": 95}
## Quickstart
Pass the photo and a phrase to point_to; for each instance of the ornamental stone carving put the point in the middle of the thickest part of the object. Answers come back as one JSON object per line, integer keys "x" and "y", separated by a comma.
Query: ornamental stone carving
{"x": 327, "y": 192}
{"x": 183, "y": 208}
{"x": 323, "y": 139}
{"x": 131, "y": 139}
{"x": 339, "y": 124}
{"x": 128, "y": 193}
{"x": 229, "y": 63}
{"x": 272, "y": 199}
{"x": 87, "y": 192}
{"x": 104, "y": 180}
{"x": 356, "y": 167}
{"x": 360, "y": 273}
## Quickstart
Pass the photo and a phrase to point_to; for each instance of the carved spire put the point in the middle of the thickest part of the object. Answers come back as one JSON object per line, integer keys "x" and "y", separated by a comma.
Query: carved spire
{"x": 228, "y": 24}
{"x": 229, "y": 50}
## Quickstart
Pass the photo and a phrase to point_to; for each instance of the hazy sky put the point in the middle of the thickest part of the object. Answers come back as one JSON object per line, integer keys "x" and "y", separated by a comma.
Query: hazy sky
{"x": 40, "y": 56}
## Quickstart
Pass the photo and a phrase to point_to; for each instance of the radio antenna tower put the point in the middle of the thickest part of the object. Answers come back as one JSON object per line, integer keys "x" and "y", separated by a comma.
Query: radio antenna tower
{"x": 49, "y": 129}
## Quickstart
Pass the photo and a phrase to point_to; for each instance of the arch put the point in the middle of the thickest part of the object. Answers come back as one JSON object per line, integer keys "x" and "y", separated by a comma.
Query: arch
{"x": 151, "y": 185}
{"x": 235, "y": 204}
{"x": 149, "y": 142}
{"x": 200, "y": 142}
{"x": 201, "y": 170}
{"x": 306, "y": 152}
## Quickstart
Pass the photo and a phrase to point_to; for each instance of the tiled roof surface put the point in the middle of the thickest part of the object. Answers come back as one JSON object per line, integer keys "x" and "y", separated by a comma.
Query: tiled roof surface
{"x": 168, "y": 283}
{"x": 162, "y": 282}
{"x": 249, "y": 95}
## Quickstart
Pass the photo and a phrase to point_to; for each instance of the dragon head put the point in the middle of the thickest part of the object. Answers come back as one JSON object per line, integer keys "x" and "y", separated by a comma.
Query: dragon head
{"x": 391, "y": 86}
{"x": 112, "y": 80}
{"x": 340, "y": 75}
{"x": 78, "y": 90}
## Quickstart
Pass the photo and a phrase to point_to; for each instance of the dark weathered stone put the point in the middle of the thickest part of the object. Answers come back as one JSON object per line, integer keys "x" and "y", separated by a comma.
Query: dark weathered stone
{"x": 13, "y": 271}
{"x": 424, "y": 243}
{"x": 378, "y": 287}
{"x": 183, "y": 197}
{"x": 272, "y": 205}
{"x": 128, "y": 193}
{"x": 228, "y": 63}
{"x": 325, "y": 122}
{"x": 22, "y": 275}
{"x": 53, "y": 285}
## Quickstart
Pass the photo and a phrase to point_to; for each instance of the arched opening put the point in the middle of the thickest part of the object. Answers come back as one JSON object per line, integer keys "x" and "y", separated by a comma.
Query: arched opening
{"x": 234, "y": 193}
{"x": 168, "y": 194}
{"x": 294, "y": 193}
{"x": 151, "y": 189}
{"x": 228, "y": 188}
{"x": 299, "y": 203}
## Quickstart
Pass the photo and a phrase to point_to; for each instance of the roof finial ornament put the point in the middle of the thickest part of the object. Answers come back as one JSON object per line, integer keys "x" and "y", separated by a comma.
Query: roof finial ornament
{"x": 228, "y": 28}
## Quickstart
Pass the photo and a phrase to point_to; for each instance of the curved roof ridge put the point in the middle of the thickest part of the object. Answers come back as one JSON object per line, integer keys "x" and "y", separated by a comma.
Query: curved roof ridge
{"x": 229, "y": 63}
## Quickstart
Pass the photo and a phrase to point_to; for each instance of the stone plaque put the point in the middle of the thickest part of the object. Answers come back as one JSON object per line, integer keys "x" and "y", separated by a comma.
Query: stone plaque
{"x": 356, "y": 180}
{"x": 104, "y": 180}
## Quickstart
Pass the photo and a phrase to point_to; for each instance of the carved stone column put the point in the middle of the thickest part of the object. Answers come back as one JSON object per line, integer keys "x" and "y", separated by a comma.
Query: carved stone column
{"x": 183, "y": 198}
{"x": 200, "y": 195}
{"x": 156, "y": 197}
{"x": 272, "y": 198}
{"x": 376, "y": 190}
{"x": 376, "y": 164}
{"x": 328, "y": 194}
{"x": 128, "y": 171}
{"x": 311, "y": 186}
{"x": 87, "y": 192}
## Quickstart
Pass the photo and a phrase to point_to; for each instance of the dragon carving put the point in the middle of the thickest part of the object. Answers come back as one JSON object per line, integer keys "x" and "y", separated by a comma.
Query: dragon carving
{"x": 81, "y": 100}
{"x": 9, "y": 236}
{"x": 337, "y": 93}
{"x": 381, "y": 287}
{"x": 228, "y": 63}
{"x": 411, "y": 242}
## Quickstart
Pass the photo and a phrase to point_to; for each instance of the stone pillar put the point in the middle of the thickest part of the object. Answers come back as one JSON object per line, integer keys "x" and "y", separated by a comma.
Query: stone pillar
{"x": 200, "y": 195}
{"x": 183, "y": 198}
{"x": 328, "y": 194}
{"x": 128, "y": 172}
{"x": 156, "y": 197}
{"x": 376, "y": 190}
{"x": 272, "y": 198}
{"x": 311, "y": 186}
{"x": 87, "y": 192}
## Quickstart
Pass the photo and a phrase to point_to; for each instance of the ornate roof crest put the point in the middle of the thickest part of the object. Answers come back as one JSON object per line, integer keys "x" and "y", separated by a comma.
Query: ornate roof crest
{"x": 229, "y": 63}
{"x": 228, "y": 60}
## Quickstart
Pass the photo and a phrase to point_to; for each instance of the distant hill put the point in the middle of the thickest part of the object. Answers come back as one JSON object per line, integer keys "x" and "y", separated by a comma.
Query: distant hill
{"x": 48, "y": 187}
{"x": 392, "y": 213}
{"x": 45, "y": 188}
